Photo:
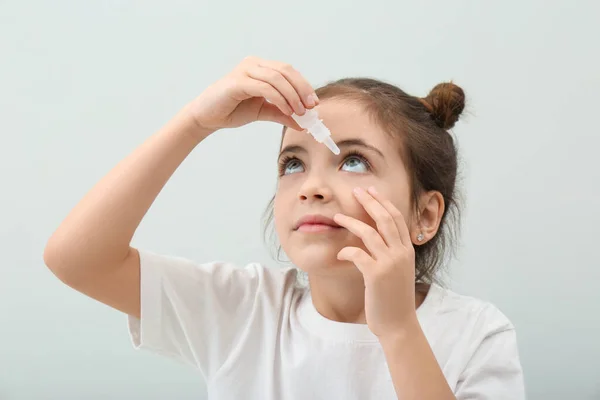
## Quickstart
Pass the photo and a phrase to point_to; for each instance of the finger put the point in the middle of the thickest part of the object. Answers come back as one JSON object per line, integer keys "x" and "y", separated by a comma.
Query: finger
{"x": 257, "y": 88}
{"x": 358, "y": 256}
{"x": 280, "y": 83}
{"x": 370, "y": 237}
{"x": 383, "y": 219}
{"x": 302, "y": 87}
{"x": 270, "y": 112}
{"x": 399, "y": 219}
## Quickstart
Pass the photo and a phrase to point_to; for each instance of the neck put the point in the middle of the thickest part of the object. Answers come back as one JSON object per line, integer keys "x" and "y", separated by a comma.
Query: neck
{"x": 341, "y": 297}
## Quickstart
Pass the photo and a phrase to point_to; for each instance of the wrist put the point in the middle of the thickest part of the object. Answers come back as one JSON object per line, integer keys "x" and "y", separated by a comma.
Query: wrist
{"x": 190, "y": 126}
{"x": 409, "y": 329}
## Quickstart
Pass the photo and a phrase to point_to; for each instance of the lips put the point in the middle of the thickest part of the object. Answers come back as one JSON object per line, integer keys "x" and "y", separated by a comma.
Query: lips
{"x": 315, "y": 220}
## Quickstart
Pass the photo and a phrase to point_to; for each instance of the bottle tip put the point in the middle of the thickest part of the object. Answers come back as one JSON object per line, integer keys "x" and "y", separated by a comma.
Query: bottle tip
{"x": 331, "y": 145}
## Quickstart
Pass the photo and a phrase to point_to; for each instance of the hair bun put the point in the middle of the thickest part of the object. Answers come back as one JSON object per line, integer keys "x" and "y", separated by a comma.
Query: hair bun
{"x": 445, "y": 102}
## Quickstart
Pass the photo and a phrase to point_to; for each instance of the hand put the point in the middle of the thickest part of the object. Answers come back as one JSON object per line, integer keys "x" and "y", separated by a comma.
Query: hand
{"x": 389, "y": 271}
{"x": 256, "y": 90}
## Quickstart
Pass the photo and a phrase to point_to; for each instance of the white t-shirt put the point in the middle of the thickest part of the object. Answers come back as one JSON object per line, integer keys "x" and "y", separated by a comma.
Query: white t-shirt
{"x": 253, "y": 333}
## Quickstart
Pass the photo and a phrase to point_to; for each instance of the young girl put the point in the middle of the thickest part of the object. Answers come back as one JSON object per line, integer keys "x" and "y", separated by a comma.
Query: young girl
{"x": 369, "y": 227}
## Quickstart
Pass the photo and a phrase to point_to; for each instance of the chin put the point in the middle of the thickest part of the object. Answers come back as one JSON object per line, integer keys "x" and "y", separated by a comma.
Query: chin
{"x": 318, "y": 260}
{"x": 318, "y": 254}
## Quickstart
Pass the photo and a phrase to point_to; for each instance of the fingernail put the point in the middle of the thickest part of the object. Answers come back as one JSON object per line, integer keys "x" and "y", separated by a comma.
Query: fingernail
{"x": 357, "y": 191}
{"x": 372, "y": 190}
{"x": 301, "y": 108}
{"x": 310, "y": 101}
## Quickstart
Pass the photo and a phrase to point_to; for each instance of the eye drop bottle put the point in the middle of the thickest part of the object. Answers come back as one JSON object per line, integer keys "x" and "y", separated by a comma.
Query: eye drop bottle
{"x": 311, "y": 122}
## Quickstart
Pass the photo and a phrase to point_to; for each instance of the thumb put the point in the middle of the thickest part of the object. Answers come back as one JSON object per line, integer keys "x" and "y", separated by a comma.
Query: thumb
{"x": 270, "y": 112}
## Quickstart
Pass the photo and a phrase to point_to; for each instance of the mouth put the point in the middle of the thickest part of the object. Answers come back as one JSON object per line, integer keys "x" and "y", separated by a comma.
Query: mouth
{"x": 316, "y": 223}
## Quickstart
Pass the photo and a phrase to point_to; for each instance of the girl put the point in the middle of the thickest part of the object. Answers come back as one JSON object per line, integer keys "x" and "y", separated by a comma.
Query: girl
{"x": 369, "y": 227}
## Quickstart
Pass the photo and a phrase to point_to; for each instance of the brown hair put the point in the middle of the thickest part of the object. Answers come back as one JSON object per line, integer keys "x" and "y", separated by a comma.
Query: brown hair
{"x": 428, "y": 150}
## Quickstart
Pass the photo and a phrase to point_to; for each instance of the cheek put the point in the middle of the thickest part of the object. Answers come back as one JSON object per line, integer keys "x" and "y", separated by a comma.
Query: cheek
{"x": 277, "y": 206}
{"x": 396, "y": 195}
{"x": 403, "y": 204}
{"x": 281, "y": 215}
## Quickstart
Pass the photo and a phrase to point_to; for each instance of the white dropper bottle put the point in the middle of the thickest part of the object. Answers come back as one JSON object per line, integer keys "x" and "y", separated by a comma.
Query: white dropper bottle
{"x": 311, "y": 122}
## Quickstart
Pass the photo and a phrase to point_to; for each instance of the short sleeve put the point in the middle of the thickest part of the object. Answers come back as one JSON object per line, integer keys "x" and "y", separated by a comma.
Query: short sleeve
{"x": 193, "y": 312}
{"x": 494, "y": 371}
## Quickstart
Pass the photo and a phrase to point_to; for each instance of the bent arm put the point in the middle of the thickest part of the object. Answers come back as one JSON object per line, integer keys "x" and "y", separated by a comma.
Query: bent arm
{"x": 90, "y": 251}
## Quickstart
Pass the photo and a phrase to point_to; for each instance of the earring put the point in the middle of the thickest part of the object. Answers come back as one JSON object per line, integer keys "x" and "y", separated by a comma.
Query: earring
{"x": 419, "y": 237}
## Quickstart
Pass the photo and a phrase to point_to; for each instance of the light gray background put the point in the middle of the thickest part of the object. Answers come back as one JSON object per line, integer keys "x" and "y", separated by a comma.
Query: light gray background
{"x": 84, "y": 82}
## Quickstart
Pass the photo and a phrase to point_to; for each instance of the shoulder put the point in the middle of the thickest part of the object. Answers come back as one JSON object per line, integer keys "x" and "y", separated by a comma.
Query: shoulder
{"x": 480, "y": 312}
{"x": 462, "y": 318}
{"x": 215, "y": 276}
{"x": 203, "y": 312}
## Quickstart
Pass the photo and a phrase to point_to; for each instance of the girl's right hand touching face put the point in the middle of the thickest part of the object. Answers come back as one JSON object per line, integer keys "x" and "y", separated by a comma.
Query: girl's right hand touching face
{"x": 256, "y": 90}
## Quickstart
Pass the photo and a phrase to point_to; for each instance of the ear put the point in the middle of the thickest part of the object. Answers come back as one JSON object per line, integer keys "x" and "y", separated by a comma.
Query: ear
{"x": 428, "y": 217}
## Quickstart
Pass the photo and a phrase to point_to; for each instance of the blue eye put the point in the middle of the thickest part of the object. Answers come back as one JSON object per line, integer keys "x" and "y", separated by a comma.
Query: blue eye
{"x": 356, "y": 163}
{"x": 291, "y": 166}
{"x": 353, "y": 162}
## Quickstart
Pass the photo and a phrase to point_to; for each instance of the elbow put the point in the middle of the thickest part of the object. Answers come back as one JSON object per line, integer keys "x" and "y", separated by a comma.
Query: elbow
{"x": 55, "y": 259}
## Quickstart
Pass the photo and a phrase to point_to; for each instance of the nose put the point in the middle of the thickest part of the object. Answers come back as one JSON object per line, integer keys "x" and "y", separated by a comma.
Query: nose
{"x": 315, "y": 188}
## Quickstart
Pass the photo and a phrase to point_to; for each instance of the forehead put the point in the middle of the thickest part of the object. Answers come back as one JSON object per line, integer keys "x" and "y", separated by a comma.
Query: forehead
{"x": 346, "y": 120}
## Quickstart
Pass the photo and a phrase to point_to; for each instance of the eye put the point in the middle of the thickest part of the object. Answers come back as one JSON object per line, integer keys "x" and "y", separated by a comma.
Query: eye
{"x": 290, "y": 165}
{"x": 356, "y": 163}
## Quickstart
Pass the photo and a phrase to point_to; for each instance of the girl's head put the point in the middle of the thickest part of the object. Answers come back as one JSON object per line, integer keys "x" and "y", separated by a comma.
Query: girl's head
{"x": 397, "y": 143}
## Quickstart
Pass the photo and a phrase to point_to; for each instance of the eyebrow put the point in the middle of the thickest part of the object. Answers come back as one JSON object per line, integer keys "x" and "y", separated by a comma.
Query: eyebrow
{"x": 341, "y": 144}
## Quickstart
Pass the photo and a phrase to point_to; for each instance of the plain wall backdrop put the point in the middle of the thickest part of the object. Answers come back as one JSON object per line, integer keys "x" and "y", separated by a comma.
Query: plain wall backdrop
{"x": 82, "y": 83}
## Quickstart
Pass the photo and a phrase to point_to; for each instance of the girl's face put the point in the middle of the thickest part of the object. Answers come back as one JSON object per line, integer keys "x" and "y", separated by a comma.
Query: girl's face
{"x": 315, "y": 182}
